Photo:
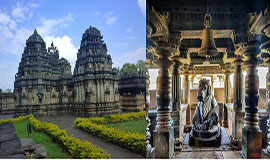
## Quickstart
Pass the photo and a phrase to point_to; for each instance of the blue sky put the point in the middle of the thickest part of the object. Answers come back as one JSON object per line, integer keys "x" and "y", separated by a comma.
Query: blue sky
{"x": 121, "y": 22}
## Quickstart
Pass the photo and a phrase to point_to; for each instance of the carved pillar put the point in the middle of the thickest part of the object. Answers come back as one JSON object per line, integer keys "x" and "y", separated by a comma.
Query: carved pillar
{"x": 213, "y": 78}
{"x": 227, "y": 86}
{"x": 192, "y": 80}
{"x": 176, "y": 85}
{"x": 163, "y": 139}
{"x": 238, "y": 97}
{"x": 251, "y": 133}
{"x": 187, "y": 97}
{"x": 226, "y": 98}
{"x": 265, "y": 55}
{"x": 176, "y": 97}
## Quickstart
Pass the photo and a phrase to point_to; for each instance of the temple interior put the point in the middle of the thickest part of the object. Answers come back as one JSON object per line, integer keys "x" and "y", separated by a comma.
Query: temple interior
{"x": 208, "y": 61}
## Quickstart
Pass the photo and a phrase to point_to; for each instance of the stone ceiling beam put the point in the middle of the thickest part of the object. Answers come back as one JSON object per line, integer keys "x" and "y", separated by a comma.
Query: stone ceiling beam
{"x": 197, "y": 34}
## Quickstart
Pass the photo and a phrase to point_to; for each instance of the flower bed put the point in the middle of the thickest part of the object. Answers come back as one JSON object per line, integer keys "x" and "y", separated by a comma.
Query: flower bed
{"x": 76, "y": 147}
{"x": 134, "y": 142}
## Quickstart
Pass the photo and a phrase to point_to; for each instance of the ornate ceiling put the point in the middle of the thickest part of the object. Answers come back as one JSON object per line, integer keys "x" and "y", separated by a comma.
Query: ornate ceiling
{"x": 183, "y": 20}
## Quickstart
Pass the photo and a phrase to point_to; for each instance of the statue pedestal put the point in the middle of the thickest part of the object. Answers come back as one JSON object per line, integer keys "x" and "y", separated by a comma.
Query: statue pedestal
{"x": 205, "y": 138}
{"x": 251, "y": 143}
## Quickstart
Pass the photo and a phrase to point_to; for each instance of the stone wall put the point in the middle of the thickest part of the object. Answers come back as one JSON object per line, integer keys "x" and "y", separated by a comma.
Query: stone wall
{"x": 132, "y": 89}
{"x": 6, "y": 103}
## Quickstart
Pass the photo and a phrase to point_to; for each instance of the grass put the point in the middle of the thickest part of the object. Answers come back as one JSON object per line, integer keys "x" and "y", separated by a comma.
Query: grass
{"x": 131, "y": 126}
{"x": 53, "y": 149}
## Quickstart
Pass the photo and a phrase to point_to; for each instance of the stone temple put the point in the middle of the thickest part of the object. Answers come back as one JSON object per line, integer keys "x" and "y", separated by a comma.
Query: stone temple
{"x": 44, "y": 84}
{"x": 226, "y": 42}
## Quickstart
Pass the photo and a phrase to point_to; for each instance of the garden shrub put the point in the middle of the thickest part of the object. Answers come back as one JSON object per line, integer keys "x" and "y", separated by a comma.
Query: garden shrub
{"x": 134, "y": 142}
{"x": 76, "y": 147}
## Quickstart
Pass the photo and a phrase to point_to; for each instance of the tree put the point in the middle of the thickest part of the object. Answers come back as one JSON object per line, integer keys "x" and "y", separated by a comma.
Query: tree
{"x": 7, "y": 91}
{"x": 117, "y": 70}
{"x": 141, "y": 65}
{"x": 128, "y": 68}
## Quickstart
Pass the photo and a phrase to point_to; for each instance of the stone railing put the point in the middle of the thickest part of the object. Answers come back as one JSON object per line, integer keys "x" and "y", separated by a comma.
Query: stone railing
{"x": 263, "y": 116}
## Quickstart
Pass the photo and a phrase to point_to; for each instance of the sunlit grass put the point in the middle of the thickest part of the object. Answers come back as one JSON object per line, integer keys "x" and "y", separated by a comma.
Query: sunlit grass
{"x": 131, "y": 126}
{"x": 53, "y": 149}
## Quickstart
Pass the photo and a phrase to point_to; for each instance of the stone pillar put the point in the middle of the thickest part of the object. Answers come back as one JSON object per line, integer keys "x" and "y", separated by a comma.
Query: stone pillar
{"x": 251, "y": 133}
{"x": 238, "y": 97}
{"x": 187, "y": 97}
{"x": 213, "y": 78}
{"x": 226, "y": 97}
{"x": 265, "y": 48}
{"x": 163, "y": 138}
{"x": 176, "y": 86}
{"x": 176, "y": 96}
{"x": 226, "y": 87}
{"x": 192, "y": 80}
{"x": 220, "y": 77}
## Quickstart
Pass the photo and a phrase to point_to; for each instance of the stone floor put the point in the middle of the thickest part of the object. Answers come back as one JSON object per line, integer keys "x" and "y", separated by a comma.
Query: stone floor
{"x": 66, "y": 122}
{"x": 10, "y": 144}
{"x": 6, "y": 116}
{"x": 222, "y": 152}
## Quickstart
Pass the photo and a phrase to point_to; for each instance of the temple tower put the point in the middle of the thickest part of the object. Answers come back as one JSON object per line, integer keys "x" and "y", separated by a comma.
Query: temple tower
{"x": 95, "y": 84}
{"x": 38, "y": 83}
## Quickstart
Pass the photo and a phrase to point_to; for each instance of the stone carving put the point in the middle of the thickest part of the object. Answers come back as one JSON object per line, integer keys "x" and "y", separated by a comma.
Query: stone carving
{"x": 53, "y": 89}
{"x": 206, "y": 129}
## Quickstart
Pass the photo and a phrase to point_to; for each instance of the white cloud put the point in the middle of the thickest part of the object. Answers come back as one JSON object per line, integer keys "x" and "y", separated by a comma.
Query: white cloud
{"x": 129, "y": 38}
{"x": 142, "y": 5}
{"x": 97, "y": 13}
{"x": 65, "y": 47}
{"x": 110, "y": 17}
{"x": 33, "y": 5}
{"x": 122, "y": 45}
{"x": 111, "y": 20}
{"x": 4, "y": 19}
{"x": 13, "y": 41}
{"x": 7, "y": 73}
{"x": 48, "y": 26}
{"x": 128, "y": 30}
{"x": 21, "y": 12}
{"x": 129, "y": 57}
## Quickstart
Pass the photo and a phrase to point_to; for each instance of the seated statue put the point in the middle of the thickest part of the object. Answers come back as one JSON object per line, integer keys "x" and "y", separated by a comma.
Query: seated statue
{"x": 206, "y": 129}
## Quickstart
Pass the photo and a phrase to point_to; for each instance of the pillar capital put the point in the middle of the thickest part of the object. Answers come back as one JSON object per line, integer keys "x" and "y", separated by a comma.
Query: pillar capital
{"x": 262, "y": 23}
{"x": 265, "y": 51}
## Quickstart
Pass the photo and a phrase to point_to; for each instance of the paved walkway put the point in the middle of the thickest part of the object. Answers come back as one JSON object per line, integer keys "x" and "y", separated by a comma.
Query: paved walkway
{"x": 6, "y": 116}
{"x": 66, "y": 122}
{"x": 222, "y": 152}
{"x": 10, "y": 144}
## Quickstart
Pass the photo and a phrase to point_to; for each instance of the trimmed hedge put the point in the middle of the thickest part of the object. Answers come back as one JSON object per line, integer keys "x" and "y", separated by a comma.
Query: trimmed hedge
{"x": 114, "y": 118}
{"x": 12, "y": 120}
{"x": 134, "y": 142}
{"x": 76, "y": 147}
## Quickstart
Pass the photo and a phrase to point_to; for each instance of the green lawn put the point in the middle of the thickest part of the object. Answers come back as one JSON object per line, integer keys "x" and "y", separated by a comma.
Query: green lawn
{"x": 53, "y": 149}
{"x": 131, "y": 126}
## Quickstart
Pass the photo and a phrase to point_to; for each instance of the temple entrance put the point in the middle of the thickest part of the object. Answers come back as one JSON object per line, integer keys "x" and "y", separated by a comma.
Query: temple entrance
{"x": 228, "y": 45}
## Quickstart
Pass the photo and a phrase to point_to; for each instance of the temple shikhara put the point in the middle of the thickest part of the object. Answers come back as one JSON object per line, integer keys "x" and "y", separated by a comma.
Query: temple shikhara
{"x": 204, "y": 92}
{"x": 45, "y": 85}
